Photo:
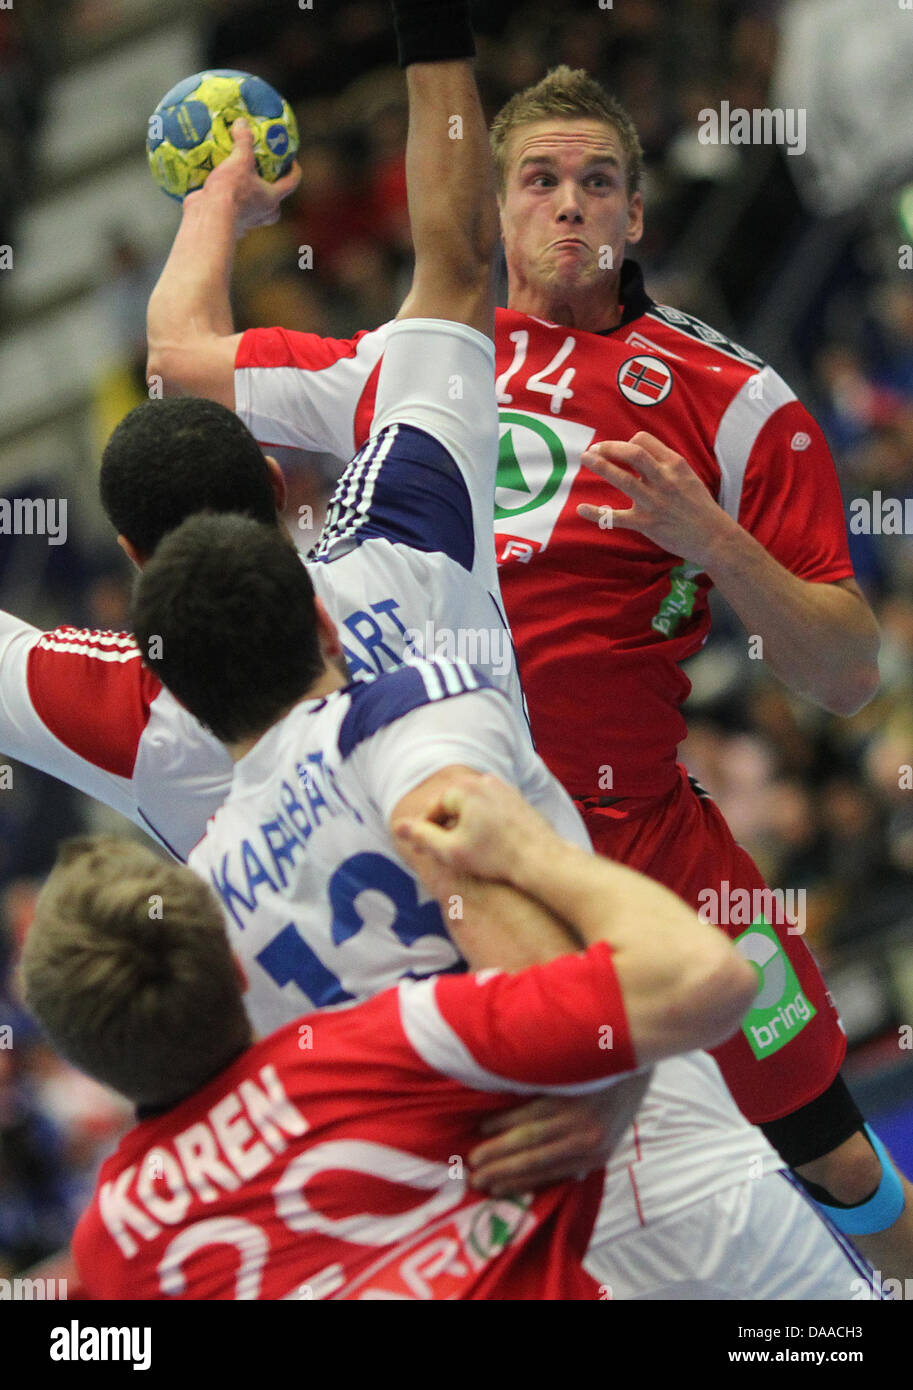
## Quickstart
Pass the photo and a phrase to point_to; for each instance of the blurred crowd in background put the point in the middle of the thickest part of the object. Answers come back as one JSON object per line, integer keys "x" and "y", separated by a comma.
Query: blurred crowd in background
{"x": 822, "y": 803}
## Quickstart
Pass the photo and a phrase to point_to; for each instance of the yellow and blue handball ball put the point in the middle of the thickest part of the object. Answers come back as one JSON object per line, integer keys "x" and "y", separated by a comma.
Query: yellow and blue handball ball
{"x": 190, "y": 129}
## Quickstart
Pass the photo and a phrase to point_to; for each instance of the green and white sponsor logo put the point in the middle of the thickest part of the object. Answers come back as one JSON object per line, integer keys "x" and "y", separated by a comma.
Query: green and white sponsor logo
{"x": 780, "y": 1009}
{"x": 543, "y": 482}
{"x": 679, "y": 602}
{"x": 495, "y": 1224}
{"x": 538, "y": 460}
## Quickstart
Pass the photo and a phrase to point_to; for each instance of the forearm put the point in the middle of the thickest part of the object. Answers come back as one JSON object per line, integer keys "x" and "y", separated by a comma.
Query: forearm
{"x": 683, "y": 984}
{"x": 602, "y": 900}
{"x": 495, "y": 927}
{"x": 452, "y": 205}
{"x": 510, "y": 857}
{"x": 820, "y": 639}
{"x": 192, "y": 297}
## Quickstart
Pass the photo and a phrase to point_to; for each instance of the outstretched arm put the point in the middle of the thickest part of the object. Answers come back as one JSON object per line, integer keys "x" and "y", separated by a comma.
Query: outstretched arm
{"x": 515, "y": 894}
{"x": 191, "y": 339}
{"x": 449, "y": 174}
{"x": 684, "y": 984}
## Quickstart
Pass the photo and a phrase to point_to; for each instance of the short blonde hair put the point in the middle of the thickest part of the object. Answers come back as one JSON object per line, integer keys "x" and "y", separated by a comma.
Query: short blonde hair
{"x": 564, "y": 93}
{"x": 128, "y": 969}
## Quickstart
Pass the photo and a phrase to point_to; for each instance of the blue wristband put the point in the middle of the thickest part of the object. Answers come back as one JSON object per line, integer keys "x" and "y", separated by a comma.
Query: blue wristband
{"x": 883, "y": 1207}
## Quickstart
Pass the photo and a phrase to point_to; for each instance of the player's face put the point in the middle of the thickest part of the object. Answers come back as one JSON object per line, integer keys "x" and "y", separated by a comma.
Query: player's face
{"x": 565, "y": 211}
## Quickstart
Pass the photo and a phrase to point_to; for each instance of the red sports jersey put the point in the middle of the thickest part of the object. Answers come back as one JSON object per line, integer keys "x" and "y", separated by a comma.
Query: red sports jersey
{"x": 601, "y": 619}
{"x": 328, "y": 1161}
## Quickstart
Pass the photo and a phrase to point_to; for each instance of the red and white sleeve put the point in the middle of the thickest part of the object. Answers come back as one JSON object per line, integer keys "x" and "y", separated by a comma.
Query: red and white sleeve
{"x": 301, "y": 391}
{"x": 74, "y": 704}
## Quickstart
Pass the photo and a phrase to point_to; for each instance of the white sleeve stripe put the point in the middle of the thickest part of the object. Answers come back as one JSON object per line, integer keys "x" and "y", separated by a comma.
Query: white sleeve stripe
{"x": 444, "y": 1050}
{"x": 83, "y": 649}
{"x": 454, "y": 679}
{"x": 348, "y": 511}
{"x": 368, "y": 455}
{"x": 749, "y": 410}
{"x": 430, "y": 673}
{"x": 123, "y": 640}
{"x": 470, "y": 680}
{"x": 373, "y": 471}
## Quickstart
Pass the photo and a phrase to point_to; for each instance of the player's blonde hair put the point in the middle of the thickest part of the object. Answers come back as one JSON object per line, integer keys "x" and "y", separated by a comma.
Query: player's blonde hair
{"x": 128, "y": 969}
{"x": 564, "y": 93}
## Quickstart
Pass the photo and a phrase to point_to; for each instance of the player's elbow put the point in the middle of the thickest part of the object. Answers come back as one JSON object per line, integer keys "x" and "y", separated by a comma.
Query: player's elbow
{"x": 167, "y": 362}
{"x": 715, "y": 991}
{"x": 855, "y": 691}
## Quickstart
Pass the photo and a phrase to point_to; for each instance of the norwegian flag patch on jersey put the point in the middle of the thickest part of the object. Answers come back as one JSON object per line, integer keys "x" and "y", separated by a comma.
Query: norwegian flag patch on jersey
{"x": 644, "y": 380}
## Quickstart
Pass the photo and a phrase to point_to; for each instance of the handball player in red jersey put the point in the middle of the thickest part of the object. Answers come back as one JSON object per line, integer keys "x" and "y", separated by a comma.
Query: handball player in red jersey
{"x": 324, "y": 1161}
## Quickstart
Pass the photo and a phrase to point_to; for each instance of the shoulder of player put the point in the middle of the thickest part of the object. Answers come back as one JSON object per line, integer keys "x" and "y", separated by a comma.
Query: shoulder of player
{"x": 737, "y": 391}
{"x": 282, "y": 347}
{"x": 698, "y": 342}
{"x": 379, "y": 701}
{"x": 696, "y": 355}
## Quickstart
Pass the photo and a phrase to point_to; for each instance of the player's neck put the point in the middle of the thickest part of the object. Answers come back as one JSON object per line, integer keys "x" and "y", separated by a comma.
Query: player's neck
{"x": 586, "y": 310}
{"x": 332, "y": 678}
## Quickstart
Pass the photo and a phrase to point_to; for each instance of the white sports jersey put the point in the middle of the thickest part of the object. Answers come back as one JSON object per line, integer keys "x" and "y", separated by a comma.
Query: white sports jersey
{"x": 319, "y": 907}
{"x": 405, "y": 565}
{"x": 407, "y": 545}
{"x": 689, "y": 1140}
{"x": 300, "y": 853}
